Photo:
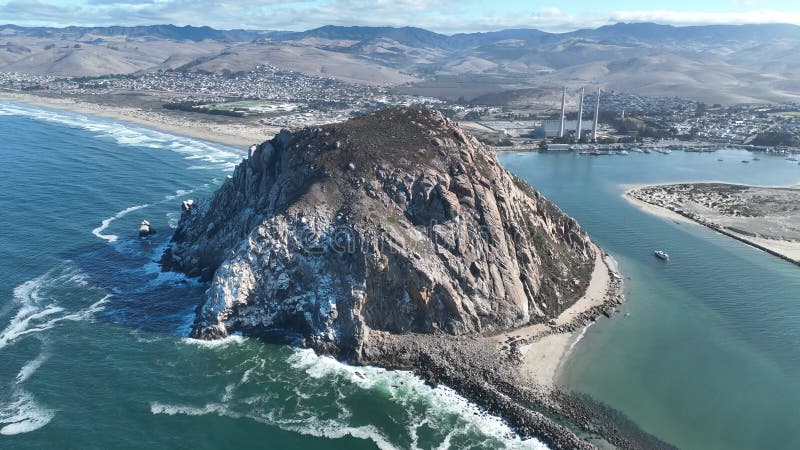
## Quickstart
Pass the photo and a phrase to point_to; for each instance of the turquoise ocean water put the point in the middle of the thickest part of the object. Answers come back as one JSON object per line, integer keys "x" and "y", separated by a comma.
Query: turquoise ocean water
{"x": 93, "y": 351}
{"x": 709, "y": 357}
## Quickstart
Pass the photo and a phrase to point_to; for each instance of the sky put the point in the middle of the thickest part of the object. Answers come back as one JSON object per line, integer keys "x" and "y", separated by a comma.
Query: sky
{"x": 445, "y": 16}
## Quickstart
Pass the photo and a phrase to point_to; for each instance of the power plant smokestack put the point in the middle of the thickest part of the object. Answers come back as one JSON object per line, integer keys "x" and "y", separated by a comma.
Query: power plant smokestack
{"x": 563, "y": 113}
{"x": 596, "y": 117}
{"x": 580, "y": 118}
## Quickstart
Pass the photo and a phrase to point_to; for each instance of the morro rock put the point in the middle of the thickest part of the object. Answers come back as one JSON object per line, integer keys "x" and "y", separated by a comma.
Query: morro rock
{"x": 396, "y": 221}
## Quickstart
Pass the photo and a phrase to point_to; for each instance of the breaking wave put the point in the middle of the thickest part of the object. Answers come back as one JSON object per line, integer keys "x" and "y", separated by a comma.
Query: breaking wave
{"x": 22, "y": 414}
{"x": 217, "y": 156}
{"x": 215, "y": 344}
{"x": 319, "y": 396}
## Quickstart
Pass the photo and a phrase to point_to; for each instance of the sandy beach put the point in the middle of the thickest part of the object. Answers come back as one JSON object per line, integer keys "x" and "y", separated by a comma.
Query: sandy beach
{"x": 784, "y": 248}
{"x": 543, "y": 347}
{"x": 664, "y": 213}
{"x": 236, "y": 135}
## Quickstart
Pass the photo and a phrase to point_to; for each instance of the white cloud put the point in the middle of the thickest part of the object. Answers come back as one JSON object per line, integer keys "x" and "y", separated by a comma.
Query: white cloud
{"x": 707, "y": 18}
{"x": 448, "y": 16}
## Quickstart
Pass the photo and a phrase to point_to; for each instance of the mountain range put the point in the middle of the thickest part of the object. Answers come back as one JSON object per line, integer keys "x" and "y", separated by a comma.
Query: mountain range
{"x": 720, "y": 63}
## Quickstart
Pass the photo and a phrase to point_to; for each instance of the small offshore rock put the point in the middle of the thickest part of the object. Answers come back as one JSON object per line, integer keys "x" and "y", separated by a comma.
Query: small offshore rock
{"x": 145, "y": 229}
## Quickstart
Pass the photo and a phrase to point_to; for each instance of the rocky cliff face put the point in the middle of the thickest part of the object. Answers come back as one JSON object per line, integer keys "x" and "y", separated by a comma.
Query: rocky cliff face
{"x": 395, "y": 221}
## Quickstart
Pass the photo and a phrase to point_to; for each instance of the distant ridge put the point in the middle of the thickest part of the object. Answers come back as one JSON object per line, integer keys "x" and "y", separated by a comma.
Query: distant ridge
{"x": 172, "y": 32}
{"x": 655, "y": 33}
{"x": 420, "y": 37}
{"x": 726, "y": 64}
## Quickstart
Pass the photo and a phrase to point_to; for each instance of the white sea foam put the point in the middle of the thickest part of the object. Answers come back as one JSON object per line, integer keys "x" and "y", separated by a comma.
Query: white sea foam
{"x": 106, "y": 222}
{"x": 180, "y": 193}
{"x": 314, "y": 427}
{"x": 173, "y": 278}
{"x": 404, "y": 388}
{"x": 160, "y": 278}
{"x": 336, "y": 430}
{"x": 443, "y": 409}
{"x": 36, "y": 311}
{"x": 577, "y": 339}
{"x": 173, "y": 219}
{"x": 31, "y": 367}
{"x": 217, "y": 343}
{"x": 20, "y": 412}
{"x": 219, "y": 156}
{"x": 23, "y": 414}
{"x": 27, "y": 297}
{"x": 174, "y": 410}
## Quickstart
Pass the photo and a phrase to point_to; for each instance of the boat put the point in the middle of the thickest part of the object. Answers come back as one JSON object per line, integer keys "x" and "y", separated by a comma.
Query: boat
{"x": 720, "y": 160}
{"x": 660, "y": 254}
{"x": 746, "y": 161}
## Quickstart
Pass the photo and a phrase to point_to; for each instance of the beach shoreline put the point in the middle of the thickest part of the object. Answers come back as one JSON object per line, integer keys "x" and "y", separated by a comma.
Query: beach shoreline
{"x": 786, "y": 250}
{"x": 234, "y": 135}
{"x": 514, "y": 374}
{"x": 652, "y": 209}
{"x": 543, "y": 348}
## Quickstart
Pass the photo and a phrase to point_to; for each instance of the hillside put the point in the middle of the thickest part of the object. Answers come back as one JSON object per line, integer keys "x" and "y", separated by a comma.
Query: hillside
{"x": 408, "y": 223}
{"x": 715, "y": 64}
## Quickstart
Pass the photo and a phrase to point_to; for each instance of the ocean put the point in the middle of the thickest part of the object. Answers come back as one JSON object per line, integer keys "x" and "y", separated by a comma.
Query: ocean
{"x": 93, "y": 347}
{"x": 93, "y": 352}
{"x": 709, "y": 356}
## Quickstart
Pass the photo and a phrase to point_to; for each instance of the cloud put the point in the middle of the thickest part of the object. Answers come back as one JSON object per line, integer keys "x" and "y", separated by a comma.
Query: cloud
{"x": 448, "y": 16}
{"x": 707, "y": 18}
{"x": 33, "y": 10}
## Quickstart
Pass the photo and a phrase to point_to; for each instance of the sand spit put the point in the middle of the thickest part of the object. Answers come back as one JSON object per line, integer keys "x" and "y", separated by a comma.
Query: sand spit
{"x": 766, "y": 218}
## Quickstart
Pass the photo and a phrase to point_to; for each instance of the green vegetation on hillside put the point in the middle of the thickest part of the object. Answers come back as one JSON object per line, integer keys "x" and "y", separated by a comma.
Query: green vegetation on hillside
{"x": 777, "y": 138}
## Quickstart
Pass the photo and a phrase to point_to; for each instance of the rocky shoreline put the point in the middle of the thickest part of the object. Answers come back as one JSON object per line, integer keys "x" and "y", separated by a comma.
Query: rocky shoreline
{"x": 397, "y": 240}
{"x": 490, "y": 377}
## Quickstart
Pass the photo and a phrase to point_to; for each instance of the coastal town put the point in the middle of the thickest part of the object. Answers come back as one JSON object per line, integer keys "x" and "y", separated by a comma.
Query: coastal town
{"x": 275, "y": 97}
{"x": 272, "y": 98}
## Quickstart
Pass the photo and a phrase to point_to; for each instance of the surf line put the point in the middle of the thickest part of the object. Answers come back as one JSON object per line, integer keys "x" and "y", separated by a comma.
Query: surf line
{"x": 106, "y": 222}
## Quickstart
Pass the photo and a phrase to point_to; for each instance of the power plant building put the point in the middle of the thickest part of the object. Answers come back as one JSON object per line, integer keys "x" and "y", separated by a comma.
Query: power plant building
{"x": 559, "y": 127}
